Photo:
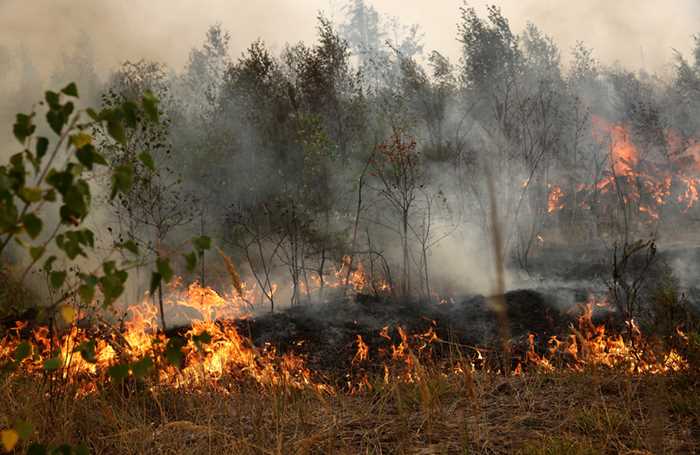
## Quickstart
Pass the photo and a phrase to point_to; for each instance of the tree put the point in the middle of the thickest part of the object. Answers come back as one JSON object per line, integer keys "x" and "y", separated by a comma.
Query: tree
{"x": 52, "y": 174}
{"x": 33, "y": 180}
{"x": 156, "y": 204}
{"x": 397, "y": 167}
{"x": 492, "y": 78}
{"x": 196, "y": 131}
{"x": 365, "y": 35}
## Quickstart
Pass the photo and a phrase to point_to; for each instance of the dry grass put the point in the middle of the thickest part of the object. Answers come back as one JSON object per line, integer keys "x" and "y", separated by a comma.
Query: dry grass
{"x": 564, "y": 413}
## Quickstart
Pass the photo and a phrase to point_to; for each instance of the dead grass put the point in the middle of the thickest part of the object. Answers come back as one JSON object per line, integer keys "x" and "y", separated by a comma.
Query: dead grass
{"x": 565, "y": 413}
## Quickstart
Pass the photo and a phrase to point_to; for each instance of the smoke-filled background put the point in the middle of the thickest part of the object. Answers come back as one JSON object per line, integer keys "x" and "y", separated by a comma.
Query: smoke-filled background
{"x": 639, "y": 34}
{"x": 310, "y": 136}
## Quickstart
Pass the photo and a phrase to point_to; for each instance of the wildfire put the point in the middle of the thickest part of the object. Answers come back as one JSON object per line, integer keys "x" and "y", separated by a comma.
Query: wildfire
{"x": 590, "y": 345}
{"x": 213, "y": 351}
{"x": 362, "y": 351}
{"x": 212, "y": 348}
{"x": 623, "y": 153}
{"x": 554, "y": 201}
{"x": 647, "y": 184}
{"x": 690, "y": 196}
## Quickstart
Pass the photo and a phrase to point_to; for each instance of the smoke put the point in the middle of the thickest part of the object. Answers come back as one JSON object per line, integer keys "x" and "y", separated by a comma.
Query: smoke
{"x": 42, "y": 43}
{"x": 636, "y": 33}
{"x": 38, "y": 35}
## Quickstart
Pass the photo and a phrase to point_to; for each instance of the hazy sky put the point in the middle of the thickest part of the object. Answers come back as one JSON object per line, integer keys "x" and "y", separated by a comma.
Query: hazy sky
{"x": 631, "y": 31}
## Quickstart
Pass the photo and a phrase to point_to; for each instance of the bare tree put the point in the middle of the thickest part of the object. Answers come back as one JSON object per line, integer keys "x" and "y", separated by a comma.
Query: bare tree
{"x": 396, "y": 166}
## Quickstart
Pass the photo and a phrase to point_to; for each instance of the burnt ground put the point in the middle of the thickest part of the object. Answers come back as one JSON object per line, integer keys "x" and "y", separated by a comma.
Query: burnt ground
{"x": 560, "y": 283}
{"x": 548, "y": 304}
{"x": 326, "y": 333}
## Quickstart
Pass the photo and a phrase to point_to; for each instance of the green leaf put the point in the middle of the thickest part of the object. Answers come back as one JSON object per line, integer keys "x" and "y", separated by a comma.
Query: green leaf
{"x": 53, "y": 99}
{"x": 150, "y": 105}
{"x": 202, "y": 339}
{"x": 173, "y": 351}
{"x": 57, "y": 278}
{"x": 156, "y": 278}
{"x": 87, "y": 351}
{"x": 36, "y": 252}
{"x": 48, "y": 264}
{"x": 87, "y": 289}
{"x": 62, "y": 181}
{"x": 56, "y": 120}
{"x": 50, "y": 195}
{"x": 24, "y": 429}
{"x": 93, "y": 114}
{"x": 52, "y": 364}
{"x": 191, "y": 259}
{"x": 30, "y": 194}
{"x": 147, "y": 160}
{"x": 76, "y": 203}
{"x": 118, "y": 372}
{"x": 70, "y": 245}
{"x": 87, "y": 293}
{"x": 142, "y": 367}
{"x": 70, "y": 90}
{"x": 87, "y": 155}
{"x": 163, "y": 266}
{"x": 32, "y": 225}
{"x": 8, "y": 217}
{"x": 22, "y": 351}
{"x": 23, "y": 127}
{"x": 130, "y": 246}
{"x": 131, "y": 114}
{"x": 115, "y": 128}
{"x": 80, "y": 140}
{"x": 67, "y": 110}
{"x": 112, "y": 283}
{"x": 86, "y": 237}
{"x": 202, "y": 243}
{"x": 122, "y": 180}
{"x": 42, "y": 146}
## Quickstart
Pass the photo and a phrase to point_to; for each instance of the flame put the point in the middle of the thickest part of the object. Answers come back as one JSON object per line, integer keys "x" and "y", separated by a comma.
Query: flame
{"x": 690, "y": 196}
{"x": 647, "y": 184}
{"x": 554, "y": 201}
{"x": 362, "y": 351}
{"x": 590, "y": 345}
{"x": 226, "y": 353}
{"x": 216, "y": 353}
{"x": 624, "y": 156}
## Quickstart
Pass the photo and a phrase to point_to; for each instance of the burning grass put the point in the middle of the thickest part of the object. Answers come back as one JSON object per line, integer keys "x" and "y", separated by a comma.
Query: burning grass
{"x": 138, "y": 391}
{"x": 646, "y": 183}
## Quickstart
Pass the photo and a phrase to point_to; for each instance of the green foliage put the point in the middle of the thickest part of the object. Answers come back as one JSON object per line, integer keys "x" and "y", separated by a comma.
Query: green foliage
{"x": 173, "y": 350}
{"x": 491, "y": 52}
{"x": 33, "y": 181}
{"x": 54, "y": 363}
{"x": 201, "y": 339}
{"x": 87, "y": 351}
{"x": 122, "y": 179}
{"x": 23, "y": 350}
{"x": 118, "y": 372}
{"x": 202, "y": 243}
{"x": 142, "y": 368}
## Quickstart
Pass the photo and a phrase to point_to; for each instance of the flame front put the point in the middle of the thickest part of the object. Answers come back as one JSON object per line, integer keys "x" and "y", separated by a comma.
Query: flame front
{"x": 634, "y": 180}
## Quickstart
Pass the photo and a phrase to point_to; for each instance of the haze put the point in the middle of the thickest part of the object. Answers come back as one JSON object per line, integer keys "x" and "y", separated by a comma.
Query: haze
{"x": 637, "y": 33}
